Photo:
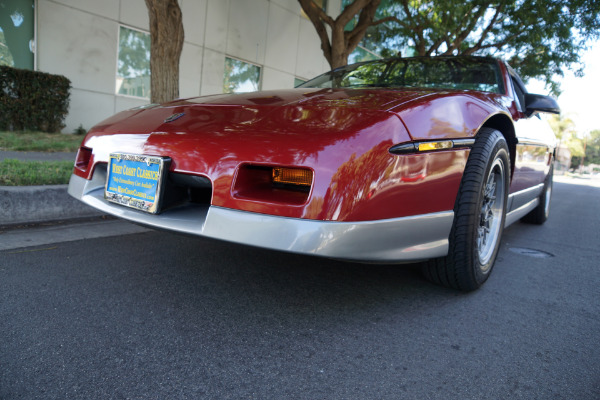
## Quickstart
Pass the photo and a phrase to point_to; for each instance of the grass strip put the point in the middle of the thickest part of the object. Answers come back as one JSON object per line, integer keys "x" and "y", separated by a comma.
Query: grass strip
{"x": 27, "y": 173}
{"x": 39, "y": 141}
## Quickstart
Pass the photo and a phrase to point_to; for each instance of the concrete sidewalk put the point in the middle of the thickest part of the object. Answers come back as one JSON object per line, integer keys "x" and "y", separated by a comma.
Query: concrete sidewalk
{"x": 21, "y": 205}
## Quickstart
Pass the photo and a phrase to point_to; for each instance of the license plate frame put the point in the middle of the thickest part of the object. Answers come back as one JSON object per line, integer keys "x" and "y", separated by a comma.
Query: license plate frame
{"x": 136, "y": 181}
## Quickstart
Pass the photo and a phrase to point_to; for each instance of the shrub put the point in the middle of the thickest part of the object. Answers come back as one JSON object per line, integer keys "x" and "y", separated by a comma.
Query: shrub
{"x": 32, "y": 100}
{"x": 80, "y": 130}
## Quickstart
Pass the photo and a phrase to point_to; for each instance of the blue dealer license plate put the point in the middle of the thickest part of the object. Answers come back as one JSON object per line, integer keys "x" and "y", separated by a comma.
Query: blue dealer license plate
{"x": 135, "y": 181}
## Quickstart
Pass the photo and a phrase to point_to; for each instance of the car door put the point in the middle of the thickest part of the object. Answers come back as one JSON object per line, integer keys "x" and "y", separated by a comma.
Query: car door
{"x": 534, "y": 150}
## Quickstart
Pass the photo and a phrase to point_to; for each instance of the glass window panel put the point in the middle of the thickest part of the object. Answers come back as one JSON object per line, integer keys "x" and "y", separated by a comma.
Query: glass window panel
{"x": 360, "y": 54}
{"x": 240, "y": 76}
{"x": 17, "y": 33}
{"x": 133, "y": 65}
{"x": 467, "y": 73}
{"x": 298, "y": 82}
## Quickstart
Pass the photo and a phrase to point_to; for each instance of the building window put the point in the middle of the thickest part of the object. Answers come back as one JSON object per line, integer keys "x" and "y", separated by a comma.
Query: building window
{"x": 133, "y": 65}
{"x": 298, "y": 82}
{"x": 361, "y": 54}
{"x": 17, "y": 43}
{"x": 240, "y": 76}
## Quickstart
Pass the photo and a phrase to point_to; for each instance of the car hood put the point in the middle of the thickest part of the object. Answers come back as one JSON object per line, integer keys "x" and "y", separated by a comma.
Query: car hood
{"x": 374, "y": 99}
{"x": 271, "y": 110}
{"x": 280, "y": 126}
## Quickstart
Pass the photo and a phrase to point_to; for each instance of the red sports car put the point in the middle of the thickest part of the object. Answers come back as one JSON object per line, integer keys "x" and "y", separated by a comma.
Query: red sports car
{"x": 397, "y": 160}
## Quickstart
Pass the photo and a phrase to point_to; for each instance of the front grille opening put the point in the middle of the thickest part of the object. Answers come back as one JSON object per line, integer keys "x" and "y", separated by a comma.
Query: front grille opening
{"x": 288, "y": 186}
{"x": 257, "y": 183}
{"x": 182, "y": 189}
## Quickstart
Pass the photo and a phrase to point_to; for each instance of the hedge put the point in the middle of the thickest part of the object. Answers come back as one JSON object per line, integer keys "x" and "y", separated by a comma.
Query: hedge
{"x": 32, "y": 100}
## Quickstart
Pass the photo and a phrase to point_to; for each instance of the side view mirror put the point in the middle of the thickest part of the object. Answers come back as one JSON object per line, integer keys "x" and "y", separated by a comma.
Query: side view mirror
{"x": 539, "y": 103}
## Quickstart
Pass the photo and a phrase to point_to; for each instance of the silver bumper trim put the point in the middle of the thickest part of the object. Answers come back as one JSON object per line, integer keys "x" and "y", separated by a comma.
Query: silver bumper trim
{"x": 404, "y": 239}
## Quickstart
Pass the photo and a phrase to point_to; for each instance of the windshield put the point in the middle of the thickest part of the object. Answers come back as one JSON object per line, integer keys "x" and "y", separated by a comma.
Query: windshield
{"x": 462, "y": 73}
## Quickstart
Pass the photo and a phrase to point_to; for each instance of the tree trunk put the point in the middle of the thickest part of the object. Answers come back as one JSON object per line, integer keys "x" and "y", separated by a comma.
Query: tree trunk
{"x": 337, "y": 48}
{"x": 166, "y": 43}
{"x": 339, "y": 51}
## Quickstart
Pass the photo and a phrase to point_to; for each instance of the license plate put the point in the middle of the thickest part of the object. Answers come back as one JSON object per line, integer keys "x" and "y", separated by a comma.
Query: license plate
{"x": 136, "y": 181}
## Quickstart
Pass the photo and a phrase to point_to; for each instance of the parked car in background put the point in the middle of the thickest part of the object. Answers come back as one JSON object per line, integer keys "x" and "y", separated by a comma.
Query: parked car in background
{"x": 388, "y": 161}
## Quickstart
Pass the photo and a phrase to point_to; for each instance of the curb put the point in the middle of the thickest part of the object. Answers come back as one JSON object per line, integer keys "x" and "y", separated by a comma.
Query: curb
{"x": 23, "y": 205}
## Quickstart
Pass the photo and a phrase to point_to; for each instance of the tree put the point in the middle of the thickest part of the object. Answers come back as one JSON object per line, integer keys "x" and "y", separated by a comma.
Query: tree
{"x": 342, "y": 42}
{"x": 564, "y": 129}
{"x": 562, "y": 126}
{"x": 166, "y": 43}
{"x": 240, "y": 76}
{"x": 592, "y": 151}
{"x": 539, "y": 38}
{"x": 589, "y": 150}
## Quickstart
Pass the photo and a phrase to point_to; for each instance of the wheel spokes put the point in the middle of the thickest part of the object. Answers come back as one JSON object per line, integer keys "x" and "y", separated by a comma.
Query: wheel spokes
{"x": 487, "y": 212}
{"x": 491, "y": 213}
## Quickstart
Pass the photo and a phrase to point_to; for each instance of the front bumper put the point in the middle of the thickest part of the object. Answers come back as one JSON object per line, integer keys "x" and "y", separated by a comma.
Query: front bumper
{"x": 404, "y": 239}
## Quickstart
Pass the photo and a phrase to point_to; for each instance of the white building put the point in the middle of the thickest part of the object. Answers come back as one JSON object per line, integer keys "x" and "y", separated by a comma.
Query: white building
{"x": 100, "y": 46}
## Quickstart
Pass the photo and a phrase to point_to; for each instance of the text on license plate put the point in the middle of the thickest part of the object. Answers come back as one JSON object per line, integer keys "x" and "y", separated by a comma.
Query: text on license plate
{"x": 135, "y": 181}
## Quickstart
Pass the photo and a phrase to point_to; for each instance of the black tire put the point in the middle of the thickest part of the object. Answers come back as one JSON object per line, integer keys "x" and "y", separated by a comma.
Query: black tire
{"x": 479, "y": 215}
{"x": 540, "y": 214}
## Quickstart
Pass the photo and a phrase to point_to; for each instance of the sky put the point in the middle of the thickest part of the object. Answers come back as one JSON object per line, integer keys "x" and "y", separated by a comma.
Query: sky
{"x": 579, "y": 99}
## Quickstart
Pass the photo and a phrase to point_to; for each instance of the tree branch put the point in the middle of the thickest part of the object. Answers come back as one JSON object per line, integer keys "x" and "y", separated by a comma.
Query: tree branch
{"x": 488, "y": 28}
{"x": 460, "y": 38}
{"x": 351, "y": 10}
{"x": 496, "y": 45}
{"x": 416, "y": 28}
{"x": 435, "y": 45}
{"x": 365, "y": 20}
{"x": 318, "y": 18}
{"x": 389, "y": 19}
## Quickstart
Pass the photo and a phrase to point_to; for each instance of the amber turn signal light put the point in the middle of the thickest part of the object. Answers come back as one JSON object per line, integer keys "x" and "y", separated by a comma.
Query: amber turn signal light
{"x": 292, "y": 176}
{"x": 412, "y": 148}
{"x": 430, "y": 146}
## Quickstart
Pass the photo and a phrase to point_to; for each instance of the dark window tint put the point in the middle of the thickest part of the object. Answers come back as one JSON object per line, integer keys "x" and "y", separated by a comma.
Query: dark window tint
{"x": 468, "y": 73}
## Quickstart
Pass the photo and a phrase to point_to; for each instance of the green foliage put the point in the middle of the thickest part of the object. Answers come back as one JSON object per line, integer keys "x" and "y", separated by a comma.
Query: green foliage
{"x": 576, "y": 147}
{"x": 240, "y": 76}
{"x": 26, "y": 173}
{"x": 133, "y": 63}
{"x": 6, "y": 57}
{"x": 588, "y": 146}
{"x": 80, "y": 130}
{"x": 539, "y": 38}
{"x": 592, "y": 148}
{"x": 134, "y": 53}
{"x": 562, "y": 126}
{"x": 38, "y": 141}
{"x": 32, "y": 100}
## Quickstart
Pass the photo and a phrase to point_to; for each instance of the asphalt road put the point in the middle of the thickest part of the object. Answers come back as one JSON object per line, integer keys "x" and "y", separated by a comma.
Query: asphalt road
{"x": 158, "y": 316}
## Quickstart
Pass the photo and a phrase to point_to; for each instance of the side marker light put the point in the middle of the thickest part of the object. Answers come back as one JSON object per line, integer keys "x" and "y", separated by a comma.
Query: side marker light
{"x": 292, "y": 176}
{"x": 430, "y": 146}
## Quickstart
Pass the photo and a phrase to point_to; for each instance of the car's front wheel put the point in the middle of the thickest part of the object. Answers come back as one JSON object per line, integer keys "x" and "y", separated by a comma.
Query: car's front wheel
{"x": 479, "y": 215}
